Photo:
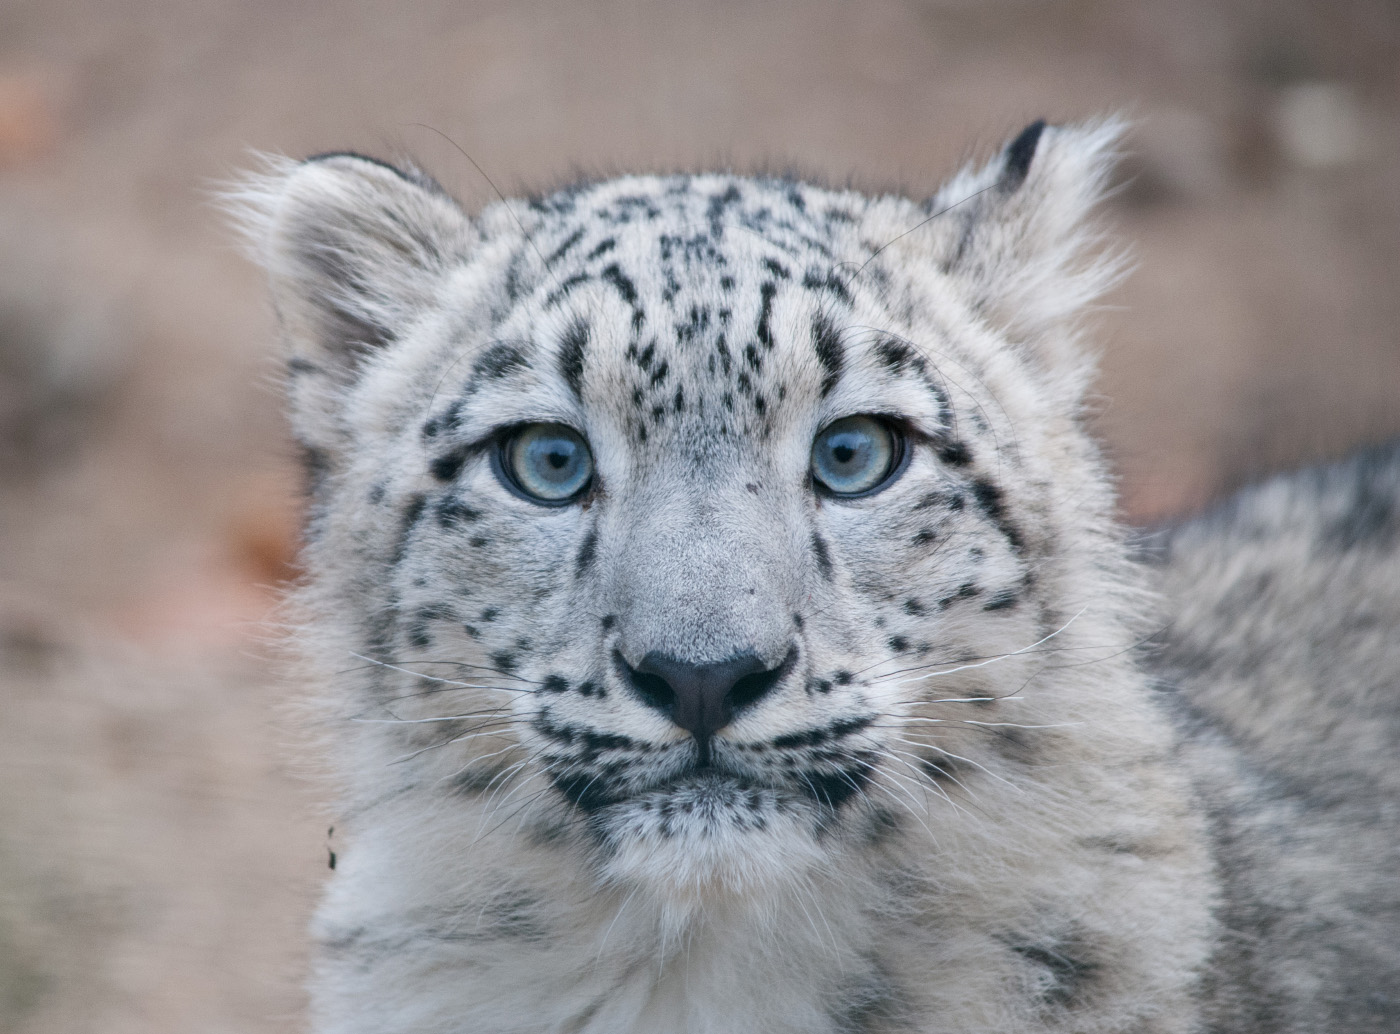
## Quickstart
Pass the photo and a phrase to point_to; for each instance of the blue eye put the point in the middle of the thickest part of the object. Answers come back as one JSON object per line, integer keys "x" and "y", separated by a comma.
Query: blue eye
{"x": 855, "y": 456}
{"x": 547, "y": 463}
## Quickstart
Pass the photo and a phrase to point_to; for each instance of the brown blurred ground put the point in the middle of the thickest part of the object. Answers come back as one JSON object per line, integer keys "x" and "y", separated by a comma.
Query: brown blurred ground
{"x": 158, "y": 853}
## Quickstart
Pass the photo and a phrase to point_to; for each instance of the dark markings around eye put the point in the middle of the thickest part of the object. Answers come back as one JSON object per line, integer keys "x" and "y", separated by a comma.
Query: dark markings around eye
{"x": 571, "y": 352}
{"x": 586, "y": 553}
{"x": 830, "y": 352}
{"x": 447, "y": 466}
{"x": 823, "y": 555}
{"x": 500, "y": 359}
{"x": 955, "y": 453}
{"x": 897, "y": 356}
{"x": 989, "y": 498}
{"x": 452, "y": 513}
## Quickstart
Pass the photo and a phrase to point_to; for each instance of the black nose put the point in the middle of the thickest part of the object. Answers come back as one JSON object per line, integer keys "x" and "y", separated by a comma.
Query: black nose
{"x": 703, "y": 698}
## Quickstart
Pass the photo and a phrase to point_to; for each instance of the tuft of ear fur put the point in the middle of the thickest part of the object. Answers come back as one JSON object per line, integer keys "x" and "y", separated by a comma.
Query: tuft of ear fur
{"x": 1016, "y": 232}
{"x": 356, "y": 251}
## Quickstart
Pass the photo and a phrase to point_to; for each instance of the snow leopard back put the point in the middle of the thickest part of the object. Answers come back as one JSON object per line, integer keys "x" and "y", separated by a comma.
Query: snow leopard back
{"x": 1283, "y": 668}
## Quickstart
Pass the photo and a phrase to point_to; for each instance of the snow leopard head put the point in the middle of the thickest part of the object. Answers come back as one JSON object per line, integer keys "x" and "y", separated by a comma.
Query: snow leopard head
{"x": 709, "y": 524}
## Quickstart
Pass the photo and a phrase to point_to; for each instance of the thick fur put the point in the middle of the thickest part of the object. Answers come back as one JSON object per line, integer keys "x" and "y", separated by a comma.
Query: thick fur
{"x": 963, "y": 808}
{"x": 1284, "y": 666}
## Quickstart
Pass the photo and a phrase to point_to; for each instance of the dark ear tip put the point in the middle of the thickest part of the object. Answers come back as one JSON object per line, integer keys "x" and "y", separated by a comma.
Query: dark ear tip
{"x": 1019, "y": 154}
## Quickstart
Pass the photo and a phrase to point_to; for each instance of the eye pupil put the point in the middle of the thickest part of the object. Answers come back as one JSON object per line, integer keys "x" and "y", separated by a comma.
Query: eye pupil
{"x": 855, "y": 456}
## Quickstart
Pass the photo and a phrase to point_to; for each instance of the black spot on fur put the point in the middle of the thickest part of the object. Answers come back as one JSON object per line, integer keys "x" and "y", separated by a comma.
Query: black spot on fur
{"x": 449, "y": 465}
{"x": 776, "y": 269}
{"x": 504, "y": 661}
{"x": 586, "y": 553}
{"x": 563, "y": 249}
{"x": 843, "y": 677}
{"x": 499, "y": 360}
{"x": 613, "y": 274}
{"x": 554, "y": 684}
{"x": 607, "y": 621}
{"x": 965, "y": 591}
{"x": 765, "y": 314}
{"x": 939, "y": 770}
{"x": 825, "y": 734}
{"x": 490, "y": 614}
{"x": 722, "y": 350}
{"x": 571, "y": 351}
{"x": 452, "y": 512}
{"x": 913, "y": 607}
{"x": 924, "y": 537}
{"x": 715, "y": 210}
{"x": 895, "y": 355}
{"x": 602, "y": 247}
{"x": 834, "y": 789}
{"x": 1019, "y": 154}
{"x": 1003, "y": 600}
{"x": 411, "y": 515}
{"x": 823, "y": 556}
{"x": 898, "y": 644}
{"x": 376, "y": 494}
{"x": 830, "y": 352}
{"x": 565, "y": 288}
{"x": 989, "y": 498}
{"x": 954, "y": 453}
{"x": 816, "y": 280}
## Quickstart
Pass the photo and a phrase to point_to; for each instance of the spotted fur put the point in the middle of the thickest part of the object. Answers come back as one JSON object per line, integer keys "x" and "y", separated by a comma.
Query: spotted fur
{"x": 956, "y": 806}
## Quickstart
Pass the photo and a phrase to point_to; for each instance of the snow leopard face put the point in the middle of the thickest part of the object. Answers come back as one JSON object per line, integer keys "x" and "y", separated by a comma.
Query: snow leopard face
{"x": 683, "y": 515}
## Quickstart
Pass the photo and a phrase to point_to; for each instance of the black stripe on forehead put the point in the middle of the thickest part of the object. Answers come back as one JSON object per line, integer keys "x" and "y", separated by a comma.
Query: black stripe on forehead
{"x": 831, "y": 353}
{"x": 571, "y": 353}
{"x": 500, "y": 360}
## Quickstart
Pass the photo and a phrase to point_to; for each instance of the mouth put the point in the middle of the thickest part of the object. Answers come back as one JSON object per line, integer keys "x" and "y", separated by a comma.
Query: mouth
{"x": 711, "y": 787}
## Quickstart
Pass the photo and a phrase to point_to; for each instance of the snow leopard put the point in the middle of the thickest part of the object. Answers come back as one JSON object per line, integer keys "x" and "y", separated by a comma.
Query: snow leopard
{"x": 721, "y": 625}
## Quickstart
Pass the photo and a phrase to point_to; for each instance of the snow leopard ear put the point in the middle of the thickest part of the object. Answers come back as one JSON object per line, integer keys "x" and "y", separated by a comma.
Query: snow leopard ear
{"x": 356, "y": 251}
{"x": 1016, "y": 232}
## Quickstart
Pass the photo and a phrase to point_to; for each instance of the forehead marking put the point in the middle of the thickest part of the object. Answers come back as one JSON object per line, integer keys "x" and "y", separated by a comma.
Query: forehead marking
{"x": 571, "y": 353}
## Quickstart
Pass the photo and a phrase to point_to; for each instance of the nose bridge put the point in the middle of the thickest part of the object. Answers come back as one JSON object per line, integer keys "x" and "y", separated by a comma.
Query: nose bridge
{"x": 701, "y": 582}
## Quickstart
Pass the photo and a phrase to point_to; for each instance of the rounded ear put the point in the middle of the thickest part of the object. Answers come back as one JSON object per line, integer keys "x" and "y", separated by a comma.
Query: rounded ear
{"x": 356, "y": 251}
{"x": 1016, "y": 232}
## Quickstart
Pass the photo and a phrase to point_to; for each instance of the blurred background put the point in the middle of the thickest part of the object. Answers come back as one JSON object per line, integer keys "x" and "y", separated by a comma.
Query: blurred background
{"x": 159, "y": 844}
